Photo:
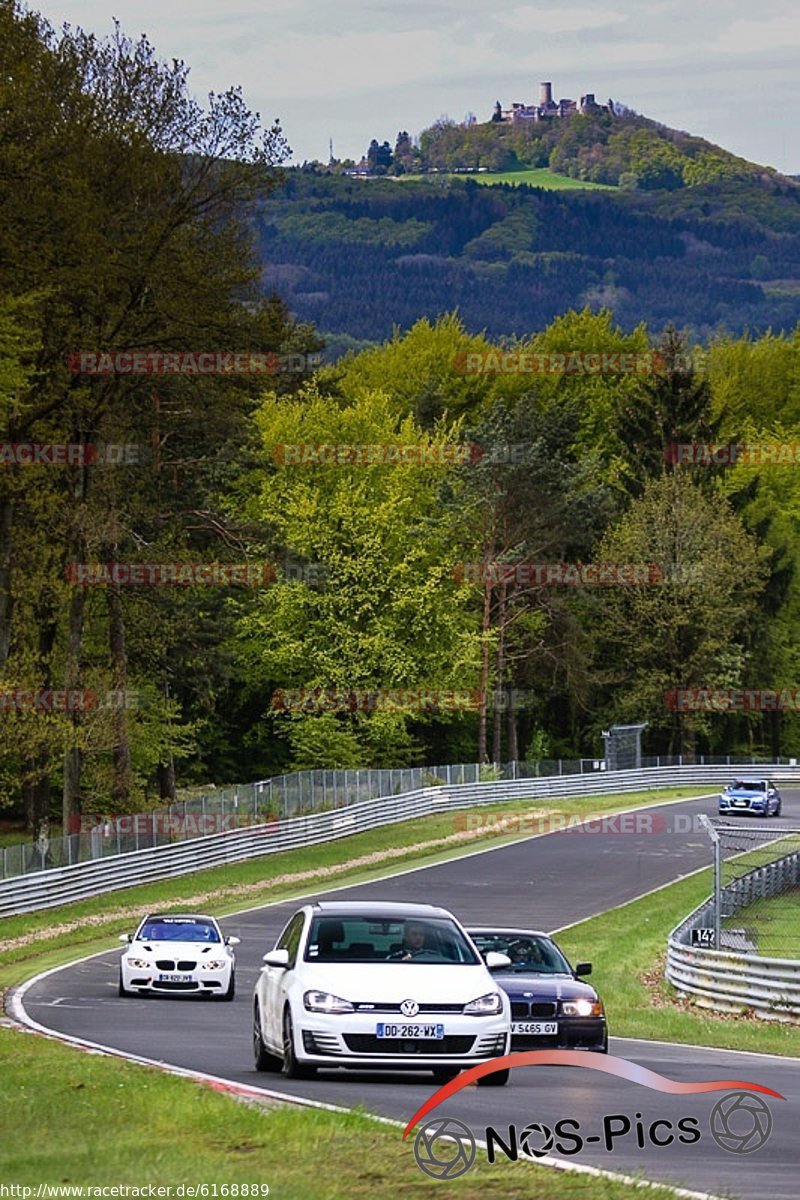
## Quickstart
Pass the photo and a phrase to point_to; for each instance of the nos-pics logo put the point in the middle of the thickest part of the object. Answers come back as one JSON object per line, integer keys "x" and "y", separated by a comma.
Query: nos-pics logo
{"x": 445, "y": 1148}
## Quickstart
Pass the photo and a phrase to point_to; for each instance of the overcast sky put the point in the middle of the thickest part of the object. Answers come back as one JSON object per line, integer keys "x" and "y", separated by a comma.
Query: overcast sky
{"x": 356, "y": 69}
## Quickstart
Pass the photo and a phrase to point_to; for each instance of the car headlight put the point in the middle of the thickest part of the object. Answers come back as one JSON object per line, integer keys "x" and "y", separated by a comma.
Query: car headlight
{"x": 327, "y": 1003}
{"x": 582, "y": 1008}
{"x": 216, "y": 964}
{"x": 139, "y": 964}
{"x": 485, "y": 1006}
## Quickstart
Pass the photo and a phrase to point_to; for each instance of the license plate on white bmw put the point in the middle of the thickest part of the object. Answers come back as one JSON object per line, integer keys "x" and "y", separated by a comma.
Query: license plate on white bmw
{"x": 174, "y": 979}
{"x": 534, "y": 1027}
{"x": 412, "y": 1032}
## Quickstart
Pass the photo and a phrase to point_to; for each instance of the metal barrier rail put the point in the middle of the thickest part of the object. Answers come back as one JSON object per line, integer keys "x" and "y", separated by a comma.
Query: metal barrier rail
{"x": 50, "y": 888}
{"x": 737, "y": 981}
{"x": 217, "y": 810}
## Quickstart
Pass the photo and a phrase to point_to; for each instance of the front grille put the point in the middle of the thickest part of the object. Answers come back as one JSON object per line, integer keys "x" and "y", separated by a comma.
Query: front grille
{"x": 364, "y": 1006}
{"x": 165, "y": 986}
{"x": 165, "y": 964}
{"x": 367, "y": 1043}
{"x": 538, "y": 1011}
{"x": 545, "y": 1009}
{"x": 186, "y": 966}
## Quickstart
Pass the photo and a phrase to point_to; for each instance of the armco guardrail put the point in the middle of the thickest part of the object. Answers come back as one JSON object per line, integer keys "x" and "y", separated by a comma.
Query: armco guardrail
{"x": 49, "y": 888}
{"x": 736, "y": 981}
{"x": 218, "y": 809}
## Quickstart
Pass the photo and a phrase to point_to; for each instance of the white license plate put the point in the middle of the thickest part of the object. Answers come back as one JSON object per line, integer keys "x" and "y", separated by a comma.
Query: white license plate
{"x": 413, "y": 1032}
{"x": 541, "y": 1027}
{"x": 175, "y": 979}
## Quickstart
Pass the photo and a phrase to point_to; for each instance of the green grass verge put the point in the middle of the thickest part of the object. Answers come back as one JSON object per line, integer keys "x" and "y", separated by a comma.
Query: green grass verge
{"x": 627, "y": 948}
{"x": 80, "y": 1119}
{"x": 75, "y": 928}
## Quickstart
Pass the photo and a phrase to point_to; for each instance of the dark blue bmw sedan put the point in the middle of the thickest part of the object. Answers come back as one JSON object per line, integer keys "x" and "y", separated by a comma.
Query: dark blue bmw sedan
{"x": 550, "y": 1007}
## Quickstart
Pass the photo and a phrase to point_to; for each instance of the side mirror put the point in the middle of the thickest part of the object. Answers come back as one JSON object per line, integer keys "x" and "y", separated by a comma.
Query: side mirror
{"x": 583, "y": 968}
{"x": 276, "y": 958}
{"x": 125, "y": 937}
{"x": 232, "y": 941}
{"x": 494, "y": 960}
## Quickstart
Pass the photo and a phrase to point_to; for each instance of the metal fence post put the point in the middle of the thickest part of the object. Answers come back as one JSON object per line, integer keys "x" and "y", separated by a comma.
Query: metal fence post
{"x": 712, "y": 833}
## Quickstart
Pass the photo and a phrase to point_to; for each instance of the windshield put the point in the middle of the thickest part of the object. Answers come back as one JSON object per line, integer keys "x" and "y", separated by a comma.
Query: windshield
{"x": 177, "y": 929}
{"x": 365, "y": 939}
{"x": 529, "y": 954}
{"x": 748, "y": 785}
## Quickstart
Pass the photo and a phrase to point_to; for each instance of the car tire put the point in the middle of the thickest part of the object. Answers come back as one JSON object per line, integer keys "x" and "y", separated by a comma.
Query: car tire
{"x": 121, "y": 989}
{"x": 230, "y": 991}
{"x": 777, "y": 812}
{"x": 293, "y": 1069}
{"x": 445, "y": 1074}
{"x": 496, "y": 1079}
{"x": 263, "y": 1059}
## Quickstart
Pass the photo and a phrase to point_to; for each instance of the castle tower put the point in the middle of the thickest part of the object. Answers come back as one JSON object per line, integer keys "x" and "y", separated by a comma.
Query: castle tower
{"x": 545, "y": 94}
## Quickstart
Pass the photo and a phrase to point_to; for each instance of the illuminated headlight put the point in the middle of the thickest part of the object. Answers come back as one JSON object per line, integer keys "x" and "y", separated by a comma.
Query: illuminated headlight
{"x": 216, "y": 964}
{"x": 582, "y": 1008}
{"x": 326, "y": 1003}
{"x": 484, "y": 1006}
{"x": 139, "y": 964}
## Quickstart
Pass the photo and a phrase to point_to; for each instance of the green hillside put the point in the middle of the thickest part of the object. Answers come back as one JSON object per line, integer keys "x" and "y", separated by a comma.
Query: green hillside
{"x": 541, "y": 177}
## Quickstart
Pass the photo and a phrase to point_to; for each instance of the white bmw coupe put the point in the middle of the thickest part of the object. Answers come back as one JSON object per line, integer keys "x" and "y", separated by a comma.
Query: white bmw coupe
{"x": 178, "y": 953}
{"x": 383, "y": 987}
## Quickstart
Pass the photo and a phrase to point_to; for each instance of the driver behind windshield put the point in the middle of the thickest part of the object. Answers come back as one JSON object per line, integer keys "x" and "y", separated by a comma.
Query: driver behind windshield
{"x": 414, "y": 941}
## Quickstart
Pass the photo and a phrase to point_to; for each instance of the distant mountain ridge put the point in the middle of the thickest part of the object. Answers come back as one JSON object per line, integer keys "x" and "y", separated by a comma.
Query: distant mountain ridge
{"x": 687, "y": 233}
{"x": 599, "y": 143}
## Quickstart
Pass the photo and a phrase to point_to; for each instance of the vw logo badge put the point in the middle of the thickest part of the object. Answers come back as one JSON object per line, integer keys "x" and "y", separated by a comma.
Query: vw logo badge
{"x": 409, "y": 1008}
{"x": 444, "y": 1148}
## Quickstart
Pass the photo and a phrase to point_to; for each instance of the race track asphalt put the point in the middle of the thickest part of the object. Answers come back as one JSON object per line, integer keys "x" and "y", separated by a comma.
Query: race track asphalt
{"x": 547, "y": 883}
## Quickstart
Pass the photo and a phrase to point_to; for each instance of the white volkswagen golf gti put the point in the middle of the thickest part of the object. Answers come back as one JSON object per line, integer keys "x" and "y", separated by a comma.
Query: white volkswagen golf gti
{"x": 178, "y": 953}
{"x": 381, "y": 987}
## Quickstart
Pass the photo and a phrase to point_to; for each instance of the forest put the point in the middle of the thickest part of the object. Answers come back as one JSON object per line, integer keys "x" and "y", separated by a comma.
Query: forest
{"x": 358, "y": 257}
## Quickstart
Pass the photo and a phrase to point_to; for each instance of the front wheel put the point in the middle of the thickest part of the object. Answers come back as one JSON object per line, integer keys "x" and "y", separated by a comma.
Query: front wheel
{"x": 293, "y": 1069}
{"x": 230, "y": 991}
{"x": 121, "y": 989}
{"x": 496, "y": 1079}
{"x": 263, "y": 1059}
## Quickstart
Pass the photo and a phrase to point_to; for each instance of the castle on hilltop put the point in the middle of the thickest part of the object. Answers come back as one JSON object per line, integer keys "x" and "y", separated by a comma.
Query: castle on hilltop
{"x": 548, "y": 107}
